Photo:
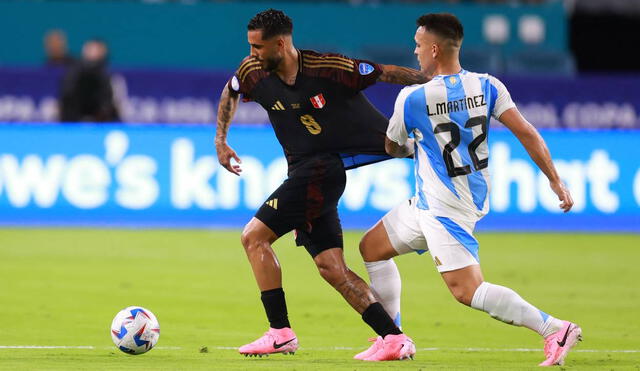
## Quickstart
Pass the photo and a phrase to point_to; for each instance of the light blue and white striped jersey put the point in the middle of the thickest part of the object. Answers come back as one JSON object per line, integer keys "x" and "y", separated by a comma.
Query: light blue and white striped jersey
{"x": 448, "y": 117}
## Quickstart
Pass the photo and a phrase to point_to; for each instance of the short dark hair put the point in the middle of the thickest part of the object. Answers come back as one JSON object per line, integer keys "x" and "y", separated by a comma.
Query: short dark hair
{"x": 445, "y": 25}
{"x": 272, "y": 22}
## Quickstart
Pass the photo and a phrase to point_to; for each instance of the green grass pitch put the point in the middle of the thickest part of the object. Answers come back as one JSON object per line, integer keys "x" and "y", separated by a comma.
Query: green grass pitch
{"x": 61, "y": 287}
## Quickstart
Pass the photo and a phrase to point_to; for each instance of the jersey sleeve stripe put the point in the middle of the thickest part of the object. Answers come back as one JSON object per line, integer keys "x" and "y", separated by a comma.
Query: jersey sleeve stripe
{"x": 350, "y": 65}
{"x": 246, "y": 73}
{"x": 327, "y": 57}
{"x": 310, "y": 58}
{"x": 249, "y": 60}
{"x": 329, "y": 65}
{"x": 247, "y": 65}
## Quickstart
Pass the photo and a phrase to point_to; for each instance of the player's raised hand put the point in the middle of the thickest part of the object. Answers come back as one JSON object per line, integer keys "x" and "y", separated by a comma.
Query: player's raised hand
{"x": 563, "y": 195}
{"x": 225, "y": 154}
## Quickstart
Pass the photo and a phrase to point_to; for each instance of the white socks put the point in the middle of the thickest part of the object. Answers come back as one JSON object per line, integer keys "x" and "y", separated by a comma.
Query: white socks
{"x": 386, "y": 286}
{"x": 506, "y": 305}
{"x": 500, "y": 302}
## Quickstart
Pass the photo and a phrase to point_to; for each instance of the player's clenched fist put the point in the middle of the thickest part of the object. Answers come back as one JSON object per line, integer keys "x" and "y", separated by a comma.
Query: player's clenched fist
{"x": 563, "y": 195}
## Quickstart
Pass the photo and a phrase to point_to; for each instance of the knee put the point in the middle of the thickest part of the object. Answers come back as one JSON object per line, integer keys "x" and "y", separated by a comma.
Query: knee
{"x": 375, "y": 245}
{"x": 462, "y": 293}
{"x": 245, "y": 237}
{"x": 367, "y": 249}
{"x": 250, "y": 240}
{"x": 334, "y": 274}
{"x": 363, "y": 247}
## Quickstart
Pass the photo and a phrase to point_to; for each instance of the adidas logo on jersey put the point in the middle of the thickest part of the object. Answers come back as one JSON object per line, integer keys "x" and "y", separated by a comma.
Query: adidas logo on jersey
{"x": 273, "y": 203}
{"x": 278, "y": 106}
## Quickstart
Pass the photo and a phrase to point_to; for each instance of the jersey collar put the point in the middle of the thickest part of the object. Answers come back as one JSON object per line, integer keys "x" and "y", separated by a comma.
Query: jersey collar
{"x": 440, "y": 77}
{"x": 299, "y": 61}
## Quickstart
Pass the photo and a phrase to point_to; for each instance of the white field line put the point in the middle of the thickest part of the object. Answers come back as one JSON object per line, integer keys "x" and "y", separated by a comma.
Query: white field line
{"x": 47, "y": 347}
{"x": 335, "y": 348}
{"x": 464, "y": 349}
{"x": 66, "y": 347}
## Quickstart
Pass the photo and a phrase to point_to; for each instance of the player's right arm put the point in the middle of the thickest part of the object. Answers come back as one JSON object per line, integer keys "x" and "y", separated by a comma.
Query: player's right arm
{"x": 226, "y": 110}
{"x": 242, "y": 83}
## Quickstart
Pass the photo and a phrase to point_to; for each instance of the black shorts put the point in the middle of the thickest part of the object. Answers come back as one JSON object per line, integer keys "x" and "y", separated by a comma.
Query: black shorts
{"x": 307, "y": 202}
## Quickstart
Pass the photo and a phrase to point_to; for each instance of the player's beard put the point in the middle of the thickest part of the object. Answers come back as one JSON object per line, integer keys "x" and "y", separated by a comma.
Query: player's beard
{"x": 271, "y": 64}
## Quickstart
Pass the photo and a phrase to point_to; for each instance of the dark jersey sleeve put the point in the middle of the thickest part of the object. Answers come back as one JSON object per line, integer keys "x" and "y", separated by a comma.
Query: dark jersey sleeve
{"x": 246, "y": 77}
{"x": 356, "y": 74}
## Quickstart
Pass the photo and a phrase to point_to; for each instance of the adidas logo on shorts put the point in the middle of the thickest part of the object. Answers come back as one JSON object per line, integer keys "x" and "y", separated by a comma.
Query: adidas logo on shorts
{"x": 273, "y": 203}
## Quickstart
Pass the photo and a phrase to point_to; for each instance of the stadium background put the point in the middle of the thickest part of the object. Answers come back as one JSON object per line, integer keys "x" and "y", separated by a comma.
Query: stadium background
{"x": 569, "y": 66}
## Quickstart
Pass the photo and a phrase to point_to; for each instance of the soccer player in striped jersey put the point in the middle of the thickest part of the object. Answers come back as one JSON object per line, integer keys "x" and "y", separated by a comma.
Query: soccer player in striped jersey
{"x": 447, "y": 119}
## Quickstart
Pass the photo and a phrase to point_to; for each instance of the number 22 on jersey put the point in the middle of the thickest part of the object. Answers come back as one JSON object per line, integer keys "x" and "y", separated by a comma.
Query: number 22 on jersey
{"x": 454, "y": 130}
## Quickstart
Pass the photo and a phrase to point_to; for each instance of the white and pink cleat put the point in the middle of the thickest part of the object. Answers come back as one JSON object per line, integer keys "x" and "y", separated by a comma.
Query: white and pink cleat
{"x": 391, "y": 348}
{"x": 558, "y": 344}
{"x": 377, "y": 345}
{"x": 282, "y": 340}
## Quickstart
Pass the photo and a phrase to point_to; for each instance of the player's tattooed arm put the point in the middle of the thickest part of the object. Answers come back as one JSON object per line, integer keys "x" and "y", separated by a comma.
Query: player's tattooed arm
{"x": 226, "y": 109}
{"x": 396, "y": 150}
{"x": 401, "y": 75}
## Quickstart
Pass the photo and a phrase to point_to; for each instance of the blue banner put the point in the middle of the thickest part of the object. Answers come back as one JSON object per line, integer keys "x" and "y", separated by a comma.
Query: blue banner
{"x": 174, "y": 96}
{"x": 158, "y": 175}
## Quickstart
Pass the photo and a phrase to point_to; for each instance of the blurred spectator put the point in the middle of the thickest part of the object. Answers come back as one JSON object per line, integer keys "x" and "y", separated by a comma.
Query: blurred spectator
{"x": 506, "y": 2}
{"x": 86, "y": 93}
{"x": 56, "y": 51}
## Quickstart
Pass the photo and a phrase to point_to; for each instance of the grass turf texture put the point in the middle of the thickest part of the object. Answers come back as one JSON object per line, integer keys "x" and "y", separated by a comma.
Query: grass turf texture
{"x": 63, "y": 287}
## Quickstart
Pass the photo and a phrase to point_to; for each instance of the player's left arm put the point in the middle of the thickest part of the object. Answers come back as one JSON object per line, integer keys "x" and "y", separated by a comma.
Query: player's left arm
{"x": 401, "y": 75}
{"x": 538, "y": 151}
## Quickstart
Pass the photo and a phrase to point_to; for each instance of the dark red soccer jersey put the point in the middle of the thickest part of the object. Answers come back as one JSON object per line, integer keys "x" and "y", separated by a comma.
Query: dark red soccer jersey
{"x": 324, "y": 111}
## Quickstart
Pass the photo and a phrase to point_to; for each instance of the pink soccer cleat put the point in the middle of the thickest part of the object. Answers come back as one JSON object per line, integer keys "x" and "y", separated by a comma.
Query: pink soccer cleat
{"x": 282, "y": 340}
{"x": 558, "y": 344}
{"x": 377, "y": 345}
{"x": 394, "y": 347}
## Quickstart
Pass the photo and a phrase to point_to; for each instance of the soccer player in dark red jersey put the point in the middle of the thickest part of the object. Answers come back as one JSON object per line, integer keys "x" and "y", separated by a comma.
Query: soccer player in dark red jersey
{"x": 325, "y": 126}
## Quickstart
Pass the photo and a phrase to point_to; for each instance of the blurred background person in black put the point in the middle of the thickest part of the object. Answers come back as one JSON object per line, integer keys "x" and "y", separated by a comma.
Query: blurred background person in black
{"x": 56, "y": 49}
{"x": 86, "y": 93}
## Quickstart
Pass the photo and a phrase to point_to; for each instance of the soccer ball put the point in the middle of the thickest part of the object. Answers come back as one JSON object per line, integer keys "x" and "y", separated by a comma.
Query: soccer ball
{"x": 135, "y": 330}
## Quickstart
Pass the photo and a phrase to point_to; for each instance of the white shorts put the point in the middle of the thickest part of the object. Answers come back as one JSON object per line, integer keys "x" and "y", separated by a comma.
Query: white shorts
{"x": 450, "y": 242}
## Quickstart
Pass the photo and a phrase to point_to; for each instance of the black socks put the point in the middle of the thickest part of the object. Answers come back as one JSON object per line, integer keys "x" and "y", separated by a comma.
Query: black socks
{"x": 276, "y": 308}
{"x": 376, "y": 317}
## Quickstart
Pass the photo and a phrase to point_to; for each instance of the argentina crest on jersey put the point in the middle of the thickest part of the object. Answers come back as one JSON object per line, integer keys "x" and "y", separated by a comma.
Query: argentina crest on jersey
{"x": 365, "y": 68}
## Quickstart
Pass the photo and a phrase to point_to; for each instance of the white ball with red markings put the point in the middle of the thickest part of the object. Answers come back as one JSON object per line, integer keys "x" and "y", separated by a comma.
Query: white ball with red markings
{"x": 135, "y": 330}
